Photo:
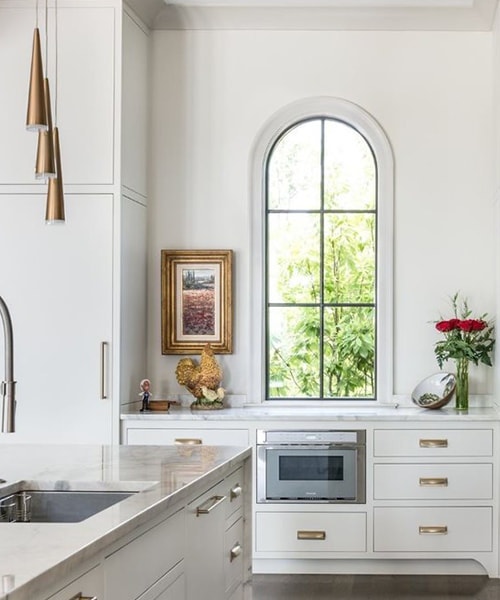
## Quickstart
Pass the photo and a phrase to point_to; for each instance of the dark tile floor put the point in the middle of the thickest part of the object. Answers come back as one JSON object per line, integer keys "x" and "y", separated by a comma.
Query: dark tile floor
{"x": 377, "y": 587}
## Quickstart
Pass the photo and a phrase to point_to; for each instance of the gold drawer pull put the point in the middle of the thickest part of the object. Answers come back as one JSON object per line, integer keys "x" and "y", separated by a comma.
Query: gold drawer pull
{"x": 188, "y": 441}
{"x": 311, "y": 535}
{"x": 80, "y": 597}
{"x": 433, "y": 529}
{"x": 235, "y": 492}
{"x": 433, "y": 481}
{"x": 433, "y": 443}
{"x": 235, "y": 551}
{"x": 209, "y": 505}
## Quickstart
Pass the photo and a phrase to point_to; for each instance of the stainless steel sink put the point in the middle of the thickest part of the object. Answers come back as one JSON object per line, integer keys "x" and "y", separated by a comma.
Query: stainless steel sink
{"x": 57, "y": 506}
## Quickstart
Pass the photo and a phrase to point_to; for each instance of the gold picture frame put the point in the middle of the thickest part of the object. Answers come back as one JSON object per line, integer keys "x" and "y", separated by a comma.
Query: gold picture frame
{"x": 196, "y": 301}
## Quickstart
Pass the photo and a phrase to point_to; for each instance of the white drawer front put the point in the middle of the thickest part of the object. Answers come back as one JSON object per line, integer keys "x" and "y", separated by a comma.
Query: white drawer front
{"x": 210, "y": 437}
{"x": 233, "y": 555}
{"x": 433, "y": 481}
{"x": 447, "y": 529}
{"x": 327, "y": 532}
{"x": 433, "y": 442}
{"x": 163, "y": 546}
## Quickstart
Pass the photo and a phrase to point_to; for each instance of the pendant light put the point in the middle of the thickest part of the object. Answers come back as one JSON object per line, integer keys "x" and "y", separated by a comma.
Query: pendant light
{"x": 55, "y": 196}
{"x": 45, "y": 164}
{"x": 36, "y": 118}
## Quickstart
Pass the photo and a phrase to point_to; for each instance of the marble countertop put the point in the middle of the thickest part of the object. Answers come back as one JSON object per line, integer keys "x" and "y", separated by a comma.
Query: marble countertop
{"x": 268, "y": 413}
{"x": 34, "y": 556}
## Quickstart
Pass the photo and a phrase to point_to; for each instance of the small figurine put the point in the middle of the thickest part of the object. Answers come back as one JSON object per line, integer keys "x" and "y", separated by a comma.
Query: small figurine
{"x": 145, "y": 394}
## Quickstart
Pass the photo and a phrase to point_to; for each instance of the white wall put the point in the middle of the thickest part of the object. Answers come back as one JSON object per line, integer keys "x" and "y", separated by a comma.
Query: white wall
{"x": 430, "y": 91}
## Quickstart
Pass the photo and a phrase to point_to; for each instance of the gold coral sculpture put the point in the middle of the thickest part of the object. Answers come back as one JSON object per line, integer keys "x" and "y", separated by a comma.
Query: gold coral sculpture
{"x": 202, "y": 380}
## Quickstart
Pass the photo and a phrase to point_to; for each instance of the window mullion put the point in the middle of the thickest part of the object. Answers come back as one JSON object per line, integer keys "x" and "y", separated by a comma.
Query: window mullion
{"x": 322, "y": 263}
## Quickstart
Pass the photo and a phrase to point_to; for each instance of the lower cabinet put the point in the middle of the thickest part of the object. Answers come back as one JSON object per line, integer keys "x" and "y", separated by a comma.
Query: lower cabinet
{"x": 215, "y": 549}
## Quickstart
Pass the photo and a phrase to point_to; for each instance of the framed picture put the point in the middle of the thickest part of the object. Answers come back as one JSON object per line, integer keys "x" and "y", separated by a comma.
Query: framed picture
{"x": 196, "y": 302}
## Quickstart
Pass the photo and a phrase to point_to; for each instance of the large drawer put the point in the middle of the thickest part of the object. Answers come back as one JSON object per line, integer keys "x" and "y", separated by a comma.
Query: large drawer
{"x": 210, "y": 437}
{"x": 310, "y": 532}
{"x": 445, "y": 529}
{"x": 438, "y": 481}
{"x": 427, "y": 443}
{"x": 161, "y": 547}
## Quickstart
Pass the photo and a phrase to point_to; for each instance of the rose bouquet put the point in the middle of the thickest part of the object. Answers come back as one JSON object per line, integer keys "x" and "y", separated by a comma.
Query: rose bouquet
{"x": 465, "y": 340}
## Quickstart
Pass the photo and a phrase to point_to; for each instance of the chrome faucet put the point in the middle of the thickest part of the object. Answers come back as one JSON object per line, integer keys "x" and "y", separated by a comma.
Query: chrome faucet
{"x": 8, "y": 386}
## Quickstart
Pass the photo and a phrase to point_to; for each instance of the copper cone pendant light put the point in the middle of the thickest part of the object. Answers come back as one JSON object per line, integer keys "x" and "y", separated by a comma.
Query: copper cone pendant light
{"x": 36, "y": 118}
{"x": 45, "y": 167}
{"x": 55, "y": 196}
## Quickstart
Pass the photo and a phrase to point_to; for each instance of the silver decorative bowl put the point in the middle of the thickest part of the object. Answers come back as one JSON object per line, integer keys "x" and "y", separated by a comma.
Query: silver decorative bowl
{"x": 434, "y": 391}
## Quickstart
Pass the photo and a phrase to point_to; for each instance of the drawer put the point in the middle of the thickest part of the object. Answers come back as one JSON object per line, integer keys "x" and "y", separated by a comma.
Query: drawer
{"x": 327, "y": 532}
{"x": 446, "y": 529}
{"x": 233, "y": 555}
{"x": 171, "y": 586}
{"x": 210, "y": 437}
{"x": 88, "y": 585}
{"x": 438, "y": 481}
{"x": 237, "y": 594}
{"x": 163, "y": 547}
{"x": 433, "y": 442}
{"x": 234, "y": 492}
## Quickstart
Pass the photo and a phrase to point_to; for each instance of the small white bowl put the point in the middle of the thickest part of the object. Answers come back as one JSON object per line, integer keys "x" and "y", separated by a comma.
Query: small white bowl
{"x": 434, "y": 391}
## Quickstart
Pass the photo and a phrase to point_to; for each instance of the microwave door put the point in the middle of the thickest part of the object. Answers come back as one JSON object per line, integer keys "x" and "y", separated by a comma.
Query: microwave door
{"x": 311, "y": 473}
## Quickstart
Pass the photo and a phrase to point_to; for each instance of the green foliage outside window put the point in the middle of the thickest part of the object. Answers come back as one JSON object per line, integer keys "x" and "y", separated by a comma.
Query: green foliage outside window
{"x": 321, "y": 259}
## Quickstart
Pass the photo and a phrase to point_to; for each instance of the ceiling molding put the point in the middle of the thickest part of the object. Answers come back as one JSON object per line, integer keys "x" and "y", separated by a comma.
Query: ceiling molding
{"x": 390, "y": 15}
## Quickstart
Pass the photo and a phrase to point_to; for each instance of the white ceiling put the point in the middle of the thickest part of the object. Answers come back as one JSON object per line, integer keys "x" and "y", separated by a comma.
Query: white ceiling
{"x": 453, "y": 15}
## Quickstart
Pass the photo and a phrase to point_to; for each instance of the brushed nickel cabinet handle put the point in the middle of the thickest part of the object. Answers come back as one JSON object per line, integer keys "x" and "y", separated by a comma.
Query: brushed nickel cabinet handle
{"x": 209, "y": 505}
{"x": 433, "y": 529}
{"x": 80, "y": 597}
{"x": 188, "y": 441}
{"x": 104, "y": 374}
{"x": 235, "y": 492}
{"x": 433, "y": 481}
{"x": 433, "y": 443}
{"x": 235, "y": 551}
{"x": 311, "y": 535}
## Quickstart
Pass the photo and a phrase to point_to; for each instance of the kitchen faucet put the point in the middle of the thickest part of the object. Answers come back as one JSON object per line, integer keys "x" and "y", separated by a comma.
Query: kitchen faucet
{"x": 8, "y": 386}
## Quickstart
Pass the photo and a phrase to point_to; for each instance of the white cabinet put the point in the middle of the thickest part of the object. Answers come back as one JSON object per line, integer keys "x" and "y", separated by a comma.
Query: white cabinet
{"x": 77, "y": 293}
{"x": 434, "y": 493}
{"x": 306, "y": 532}
{"x": 136, "y": 432}
{"x": 57, "y": 282}
{"x": 216, "y": 545}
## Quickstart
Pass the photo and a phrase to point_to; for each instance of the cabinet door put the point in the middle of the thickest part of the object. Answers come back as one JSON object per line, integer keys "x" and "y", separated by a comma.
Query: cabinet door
{"x": 205, "y": 552}
{"x": 57, "y": 283}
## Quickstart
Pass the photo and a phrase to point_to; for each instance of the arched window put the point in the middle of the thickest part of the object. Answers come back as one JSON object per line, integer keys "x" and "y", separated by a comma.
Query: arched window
{"x": 327, "y": 258}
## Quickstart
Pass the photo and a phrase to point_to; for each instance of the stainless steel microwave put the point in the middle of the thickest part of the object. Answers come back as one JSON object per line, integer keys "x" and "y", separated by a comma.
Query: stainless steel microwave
{"x": 311, "y": 466}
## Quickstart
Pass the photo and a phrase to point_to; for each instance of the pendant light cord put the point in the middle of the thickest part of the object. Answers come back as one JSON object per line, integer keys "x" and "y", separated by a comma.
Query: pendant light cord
{"x": 56, "y": 63}
{"x": 36, "y": 14}
{"x": 46, "y": 38}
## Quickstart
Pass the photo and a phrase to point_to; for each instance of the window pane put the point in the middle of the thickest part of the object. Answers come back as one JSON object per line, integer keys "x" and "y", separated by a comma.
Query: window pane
{"x": 294, "y": 255}
{"x": 349, "y": 258}
{"x": 293, "y": 352}
{"x": 350, "y": 181}
{"x": 349, "y": 352}
{"x": 294, "y": 175}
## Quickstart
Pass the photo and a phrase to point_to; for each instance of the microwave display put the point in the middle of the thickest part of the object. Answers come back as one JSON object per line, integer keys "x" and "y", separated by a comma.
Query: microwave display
{"x": 311, "y": 468}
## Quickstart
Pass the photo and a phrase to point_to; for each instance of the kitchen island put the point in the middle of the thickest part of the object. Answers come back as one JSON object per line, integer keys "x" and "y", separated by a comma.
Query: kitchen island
{"x": 39, "y": 559}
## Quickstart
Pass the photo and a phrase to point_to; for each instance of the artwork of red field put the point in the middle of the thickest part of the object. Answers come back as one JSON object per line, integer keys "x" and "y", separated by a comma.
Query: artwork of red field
{"x": 198, "y": 315}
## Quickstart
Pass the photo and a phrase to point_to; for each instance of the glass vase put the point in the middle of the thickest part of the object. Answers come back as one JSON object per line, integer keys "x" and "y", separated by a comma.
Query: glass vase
{"x": 462, "y": 388}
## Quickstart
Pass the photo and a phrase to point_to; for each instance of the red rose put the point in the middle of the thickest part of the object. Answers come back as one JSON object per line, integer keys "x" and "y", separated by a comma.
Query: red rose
{"x": 469, "y": 325}
{"x": 445, "y": 326}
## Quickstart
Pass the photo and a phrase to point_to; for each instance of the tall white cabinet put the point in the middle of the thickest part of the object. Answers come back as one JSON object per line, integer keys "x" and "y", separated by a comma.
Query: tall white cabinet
{"x": 76, "y": 292}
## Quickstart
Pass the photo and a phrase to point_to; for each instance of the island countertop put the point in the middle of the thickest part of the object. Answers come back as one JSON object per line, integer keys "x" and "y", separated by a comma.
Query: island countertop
{"x": 35, "y": 555}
